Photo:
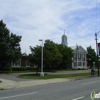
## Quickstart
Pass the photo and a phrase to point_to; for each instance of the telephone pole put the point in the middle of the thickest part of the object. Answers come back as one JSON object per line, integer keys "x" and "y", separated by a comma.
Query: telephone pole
{"x": 97, "y": 51}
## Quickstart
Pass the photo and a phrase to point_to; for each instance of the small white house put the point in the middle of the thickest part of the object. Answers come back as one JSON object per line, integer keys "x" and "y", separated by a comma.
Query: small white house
{"x": 80, "y": 57}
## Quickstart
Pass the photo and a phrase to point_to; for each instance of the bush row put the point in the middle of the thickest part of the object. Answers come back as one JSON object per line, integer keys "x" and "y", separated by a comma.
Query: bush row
{"x": 22, "y": 68}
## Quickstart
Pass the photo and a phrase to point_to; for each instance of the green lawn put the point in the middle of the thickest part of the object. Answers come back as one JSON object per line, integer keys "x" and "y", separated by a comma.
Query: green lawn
{"x": 46, "y": 76}
{"x": 26, "y": 71}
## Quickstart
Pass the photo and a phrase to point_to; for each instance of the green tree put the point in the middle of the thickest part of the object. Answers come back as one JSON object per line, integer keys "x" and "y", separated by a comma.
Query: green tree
{"x": 52, "y": 56}
{"x": 48, "y": 59}
{"x": 91, "y": 56}
{"x": 35, "y": 56}
{"x": 9, "y": 46}
{"x": 67, "y": 54}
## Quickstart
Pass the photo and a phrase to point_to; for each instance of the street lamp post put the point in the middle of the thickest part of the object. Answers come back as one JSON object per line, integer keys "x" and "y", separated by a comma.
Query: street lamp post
{"x": 94, "y": 65}
{"x": 97, "y": 51}
{"x": 41, "y": 73}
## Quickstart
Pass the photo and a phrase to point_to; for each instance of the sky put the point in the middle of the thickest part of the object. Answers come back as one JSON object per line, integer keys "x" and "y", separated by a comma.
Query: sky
{"x": 47, "y": 19}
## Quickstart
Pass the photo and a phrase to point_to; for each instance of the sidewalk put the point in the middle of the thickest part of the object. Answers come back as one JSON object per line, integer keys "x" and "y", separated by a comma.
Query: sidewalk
{"x": 9, "y": 84}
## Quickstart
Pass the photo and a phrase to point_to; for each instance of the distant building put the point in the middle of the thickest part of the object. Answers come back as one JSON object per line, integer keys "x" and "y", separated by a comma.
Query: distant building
{"x": 80, "y": 54}
{"x": 64, "y": 39}
{"x": 22, "y": 62}
{"x": 80, "y": 57}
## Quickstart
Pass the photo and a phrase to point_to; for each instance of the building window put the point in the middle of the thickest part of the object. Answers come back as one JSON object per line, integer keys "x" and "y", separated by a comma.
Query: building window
{"x": 83, "y": 55}
{"x": 83, "y": 63}
{"x": 74, "y": 64}
{"x": 27, "y": 63}
{"x": 16, "y": 63}
{"x": 79, "y": 63}
{"x": 79, "y": 55}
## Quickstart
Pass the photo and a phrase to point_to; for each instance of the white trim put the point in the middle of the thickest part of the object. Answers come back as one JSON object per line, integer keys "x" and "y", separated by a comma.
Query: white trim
{"x": 18, "y": 64}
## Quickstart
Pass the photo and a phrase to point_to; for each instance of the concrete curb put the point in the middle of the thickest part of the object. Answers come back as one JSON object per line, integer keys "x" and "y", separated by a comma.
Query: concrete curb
{"x": 9, "y": 84}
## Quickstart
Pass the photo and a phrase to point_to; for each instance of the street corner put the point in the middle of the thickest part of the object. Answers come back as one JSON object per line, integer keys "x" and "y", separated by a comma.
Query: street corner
{"x": 8, "y": 84}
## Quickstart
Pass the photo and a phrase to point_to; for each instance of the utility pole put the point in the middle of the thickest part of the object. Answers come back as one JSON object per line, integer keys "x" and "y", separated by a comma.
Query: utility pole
{"x": 41, "y": 73}
{"x": 76, "y": 56}
{"x": 97, "y": 51}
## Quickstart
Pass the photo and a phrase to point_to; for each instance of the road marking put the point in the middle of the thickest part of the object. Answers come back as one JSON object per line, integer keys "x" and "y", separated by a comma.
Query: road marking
{"x": 90, "y": 82}
{"x": 78, "y": 98}
{"x": 18, "y": 95}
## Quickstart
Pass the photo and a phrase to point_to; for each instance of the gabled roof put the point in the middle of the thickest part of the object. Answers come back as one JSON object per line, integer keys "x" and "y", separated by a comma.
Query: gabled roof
{"x": 78, "y": 49}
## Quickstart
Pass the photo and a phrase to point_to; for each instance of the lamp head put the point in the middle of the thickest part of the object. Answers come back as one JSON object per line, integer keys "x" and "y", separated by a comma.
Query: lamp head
{"x": 40, "y": 39}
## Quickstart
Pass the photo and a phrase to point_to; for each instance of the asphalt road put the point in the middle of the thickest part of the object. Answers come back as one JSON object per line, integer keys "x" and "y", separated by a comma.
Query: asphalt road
{"x": 74, "y": 90}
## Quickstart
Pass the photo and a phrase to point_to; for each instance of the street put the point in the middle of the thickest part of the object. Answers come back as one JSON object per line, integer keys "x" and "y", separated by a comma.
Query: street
{"x": 74, "y": 90}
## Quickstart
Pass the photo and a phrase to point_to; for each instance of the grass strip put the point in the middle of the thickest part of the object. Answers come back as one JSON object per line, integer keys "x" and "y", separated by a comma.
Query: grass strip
{"x": 48, "y": 76}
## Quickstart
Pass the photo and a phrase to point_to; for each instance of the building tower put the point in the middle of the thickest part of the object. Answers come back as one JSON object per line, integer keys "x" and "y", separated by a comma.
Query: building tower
{"x": 64, "y": 39}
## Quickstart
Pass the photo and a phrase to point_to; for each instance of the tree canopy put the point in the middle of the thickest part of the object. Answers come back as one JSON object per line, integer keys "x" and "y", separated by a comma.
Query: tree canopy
{"x": 67, "y": 54}
{"x": 55, "y": 56}
{"x": 9, "y": 45}
{"x": 52, "y": 55}
{"x": 91, "y": 56}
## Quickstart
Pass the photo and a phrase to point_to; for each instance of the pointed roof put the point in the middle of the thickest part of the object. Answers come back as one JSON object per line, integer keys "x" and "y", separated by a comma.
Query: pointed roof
{"x": 79, "y": 49}
{"x": 64, "y": 35}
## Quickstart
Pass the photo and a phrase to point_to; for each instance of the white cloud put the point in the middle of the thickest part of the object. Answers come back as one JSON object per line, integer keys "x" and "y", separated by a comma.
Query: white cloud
{"x": 46, "y": 19}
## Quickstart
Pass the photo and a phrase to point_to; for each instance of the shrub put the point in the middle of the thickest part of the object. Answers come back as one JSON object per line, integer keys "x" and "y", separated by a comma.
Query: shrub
{"x": 30, "y": 68}
{"x": 84, "y": 68}
{"x": 18, "y": 68}
{"x": 7, "y": 67}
